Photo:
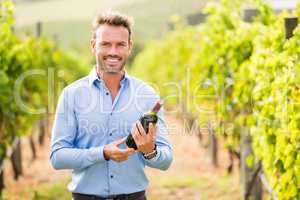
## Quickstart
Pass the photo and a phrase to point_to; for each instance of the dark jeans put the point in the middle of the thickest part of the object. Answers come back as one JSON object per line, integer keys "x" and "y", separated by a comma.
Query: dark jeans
{"x": 88, "y": 197}
{"x": 142, "y": 198}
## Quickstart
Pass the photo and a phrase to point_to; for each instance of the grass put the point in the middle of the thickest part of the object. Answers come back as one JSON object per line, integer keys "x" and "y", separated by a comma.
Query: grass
{"x": 69, "y": 33}
{"x": 28, "y": 12}
{"x": 161, "y": 187}
{"x": 47, "y": 191}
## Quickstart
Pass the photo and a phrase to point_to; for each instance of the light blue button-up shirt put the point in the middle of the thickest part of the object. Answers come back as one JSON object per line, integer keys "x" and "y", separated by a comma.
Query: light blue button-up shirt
{"x": 86, "y": 119}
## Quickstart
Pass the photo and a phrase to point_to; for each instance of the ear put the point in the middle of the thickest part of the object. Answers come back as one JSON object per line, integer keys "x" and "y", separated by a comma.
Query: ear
{"x": 93, "y": 45}
{"x": 130, "y": 46}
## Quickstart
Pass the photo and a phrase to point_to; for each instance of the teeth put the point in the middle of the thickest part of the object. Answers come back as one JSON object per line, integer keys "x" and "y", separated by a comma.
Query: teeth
{"x": 112, "y": 59}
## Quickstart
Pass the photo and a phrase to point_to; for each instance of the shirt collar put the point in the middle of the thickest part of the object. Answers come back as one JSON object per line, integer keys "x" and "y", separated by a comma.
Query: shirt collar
{"x": 93, "y": 76}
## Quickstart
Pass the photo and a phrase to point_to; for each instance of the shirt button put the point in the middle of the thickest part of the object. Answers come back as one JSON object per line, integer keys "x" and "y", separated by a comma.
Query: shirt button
{"x": 110, "y": 134}
{"x": 111, "y": 176}
{"x": 107, "y": 93}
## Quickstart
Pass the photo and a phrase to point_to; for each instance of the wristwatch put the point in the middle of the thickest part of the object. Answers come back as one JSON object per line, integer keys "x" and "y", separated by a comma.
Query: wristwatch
{"x": 152, "y": 154}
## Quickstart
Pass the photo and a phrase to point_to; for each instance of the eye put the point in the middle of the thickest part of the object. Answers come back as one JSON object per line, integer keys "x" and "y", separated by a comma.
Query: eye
{"x": 104, "y": 44}
{"x": 122, "y": 44}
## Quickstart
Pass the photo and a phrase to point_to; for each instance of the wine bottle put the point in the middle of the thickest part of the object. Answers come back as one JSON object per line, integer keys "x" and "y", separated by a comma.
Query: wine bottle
{"x": 145, "y": 119}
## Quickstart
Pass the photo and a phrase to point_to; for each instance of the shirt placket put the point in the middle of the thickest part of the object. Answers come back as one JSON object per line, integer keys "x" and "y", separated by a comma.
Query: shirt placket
{"x": 112, "y": 130}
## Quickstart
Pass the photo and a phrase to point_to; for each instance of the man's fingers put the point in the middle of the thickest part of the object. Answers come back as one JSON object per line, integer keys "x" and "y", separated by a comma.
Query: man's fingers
{"x": 140, "y": 128}
{"x": 126, "y": 152}
{"x": 136, "y": 137}
{"x": 123, "y": 154}
{"x": 123, "y": 159}
{"x": 152, "y": 131}
{"x": 120, "y": 141}
{"x": 137, "y": 129}
{"x": 120, "y": 159}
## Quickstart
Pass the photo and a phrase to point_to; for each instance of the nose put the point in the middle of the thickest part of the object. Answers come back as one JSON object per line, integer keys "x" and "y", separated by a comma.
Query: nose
{"x": 112, "y": 50}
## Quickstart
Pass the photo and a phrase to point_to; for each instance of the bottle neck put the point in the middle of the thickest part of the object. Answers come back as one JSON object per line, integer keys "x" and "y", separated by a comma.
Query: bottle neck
{"x": 156, "y": 108}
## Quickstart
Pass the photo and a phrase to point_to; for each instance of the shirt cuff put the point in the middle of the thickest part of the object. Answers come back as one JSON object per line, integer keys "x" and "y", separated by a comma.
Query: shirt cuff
{"x": 96, "y": 154}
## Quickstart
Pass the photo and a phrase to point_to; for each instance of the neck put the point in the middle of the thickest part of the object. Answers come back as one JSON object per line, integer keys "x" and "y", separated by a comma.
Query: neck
{"x": 111, "y": 80}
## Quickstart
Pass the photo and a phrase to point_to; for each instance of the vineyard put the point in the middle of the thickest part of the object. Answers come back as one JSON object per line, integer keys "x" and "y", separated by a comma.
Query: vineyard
{"x": 239, "y": 76}
{"x": 234, "y": 75}
{"x": 32, "y": 72}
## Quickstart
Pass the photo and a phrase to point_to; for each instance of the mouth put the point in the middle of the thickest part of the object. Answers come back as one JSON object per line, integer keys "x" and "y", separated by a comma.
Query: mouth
{"x": 112, "y": 60}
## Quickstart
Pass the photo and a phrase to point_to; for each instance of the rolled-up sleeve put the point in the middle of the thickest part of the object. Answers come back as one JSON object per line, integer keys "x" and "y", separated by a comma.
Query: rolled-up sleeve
{"x": 63, "y": 153}
{"x": 164, "y": 156}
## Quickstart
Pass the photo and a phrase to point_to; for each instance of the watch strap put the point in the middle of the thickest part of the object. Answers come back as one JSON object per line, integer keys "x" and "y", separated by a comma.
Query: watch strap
{"x": 152, "y": 154}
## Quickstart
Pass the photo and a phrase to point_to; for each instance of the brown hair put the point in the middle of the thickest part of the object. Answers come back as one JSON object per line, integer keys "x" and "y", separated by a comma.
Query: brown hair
{"x": 114, "y": 19}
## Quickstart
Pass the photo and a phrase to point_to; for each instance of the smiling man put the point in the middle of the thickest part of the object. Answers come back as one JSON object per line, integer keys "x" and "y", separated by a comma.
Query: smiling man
{"x": 94, "y": 116}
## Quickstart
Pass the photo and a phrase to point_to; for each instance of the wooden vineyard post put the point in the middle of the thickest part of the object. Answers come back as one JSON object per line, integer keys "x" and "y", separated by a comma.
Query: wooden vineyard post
{"x": 251, "y": 188}
{"x": 1, "y": 176}
{"x": 32, "y": 147}
{"x": 249, "y": 14}
{"x": 2, "y": 157}
{"x": 42, "y": 131}
{"x": 212, "y": 145}
{"x": 16, "y": 158}
{"x": 290, "y": 24}
{"x": 39, "y": 29}
{"x": 251, "y": 185}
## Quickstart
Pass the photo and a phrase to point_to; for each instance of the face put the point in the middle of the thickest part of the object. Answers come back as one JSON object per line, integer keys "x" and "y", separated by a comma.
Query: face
{"x": 111, "y": 48}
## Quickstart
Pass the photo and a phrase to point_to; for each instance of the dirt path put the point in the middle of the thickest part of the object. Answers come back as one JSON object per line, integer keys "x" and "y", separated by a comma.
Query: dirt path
{"x": 190, "y": 177}
{"x": 35, "y": 172}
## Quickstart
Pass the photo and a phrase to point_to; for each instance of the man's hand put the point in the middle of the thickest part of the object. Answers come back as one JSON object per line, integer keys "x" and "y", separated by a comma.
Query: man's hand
{"x": 144, "y": 142}
{"x": 112, "y": 151}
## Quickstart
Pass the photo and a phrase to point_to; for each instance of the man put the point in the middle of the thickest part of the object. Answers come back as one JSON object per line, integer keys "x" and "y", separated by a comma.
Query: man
{"x": 94, "y": 116}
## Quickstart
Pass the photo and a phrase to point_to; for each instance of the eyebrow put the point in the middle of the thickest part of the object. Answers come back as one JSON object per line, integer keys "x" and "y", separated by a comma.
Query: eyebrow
{"x": 122, "y": 42}
{"x": 112, "y": 41}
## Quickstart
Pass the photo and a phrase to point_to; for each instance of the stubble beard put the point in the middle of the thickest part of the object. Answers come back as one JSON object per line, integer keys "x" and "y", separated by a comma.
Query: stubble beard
{"x": 110, "y": 70}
